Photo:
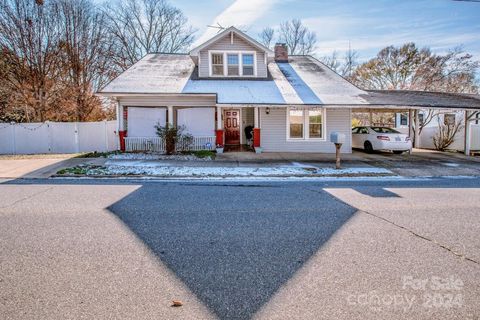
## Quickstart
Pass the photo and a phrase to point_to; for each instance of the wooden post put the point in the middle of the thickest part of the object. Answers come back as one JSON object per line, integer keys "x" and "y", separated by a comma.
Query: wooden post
{"x": 337, "y": 155}
{"x": 417, "y": 129}
{"x": 410, "y": 123}
{"x": 370, "y": 118}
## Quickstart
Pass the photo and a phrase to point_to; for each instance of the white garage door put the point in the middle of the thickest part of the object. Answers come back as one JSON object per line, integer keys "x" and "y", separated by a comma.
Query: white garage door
{"x": 197, "y": 121}
{"x": 142, "y": 121}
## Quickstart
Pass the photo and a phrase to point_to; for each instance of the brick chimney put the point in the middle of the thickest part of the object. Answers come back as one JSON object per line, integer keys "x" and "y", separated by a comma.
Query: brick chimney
{"x": 281, "y": 52}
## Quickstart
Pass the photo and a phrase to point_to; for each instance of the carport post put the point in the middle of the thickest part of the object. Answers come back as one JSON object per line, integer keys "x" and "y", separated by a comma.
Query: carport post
{"x": 410, "y": 123}
{"x": 417, "y": 129}
{"x": 467, "y": 134}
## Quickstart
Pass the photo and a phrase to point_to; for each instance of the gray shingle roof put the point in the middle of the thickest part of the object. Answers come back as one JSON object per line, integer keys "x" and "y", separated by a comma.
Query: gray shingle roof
{"x": 303, "y": 80}
{"x": 154, "y": 73}
{"x": 423, "y": 99}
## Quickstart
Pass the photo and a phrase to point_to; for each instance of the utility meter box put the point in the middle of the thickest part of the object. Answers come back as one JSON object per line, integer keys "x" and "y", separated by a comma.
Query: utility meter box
{"x": 336, "y": 137}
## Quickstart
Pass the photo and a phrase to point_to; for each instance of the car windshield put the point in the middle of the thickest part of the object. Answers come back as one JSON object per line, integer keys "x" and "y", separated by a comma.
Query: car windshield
{"x": 384, "y": 130}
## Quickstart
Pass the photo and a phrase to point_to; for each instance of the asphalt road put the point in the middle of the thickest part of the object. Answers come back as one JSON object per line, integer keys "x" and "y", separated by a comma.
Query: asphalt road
{"x": 106, "y": 249}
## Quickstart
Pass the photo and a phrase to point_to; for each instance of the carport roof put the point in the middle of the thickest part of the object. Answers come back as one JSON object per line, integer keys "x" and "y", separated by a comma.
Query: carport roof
{"x": 422, "y": 99}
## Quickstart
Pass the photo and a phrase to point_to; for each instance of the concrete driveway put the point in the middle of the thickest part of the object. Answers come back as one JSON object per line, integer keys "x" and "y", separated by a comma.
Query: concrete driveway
{"x": 38, "y": 166}
{"x": 405, "y": 249}
{"x": 420, "y": 163}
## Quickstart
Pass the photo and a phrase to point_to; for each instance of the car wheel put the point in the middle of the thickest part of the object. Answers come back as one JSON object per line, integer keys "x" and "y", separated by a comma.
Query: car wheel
{"x": 368, "y": 147}
{"x": 397, "y": 152}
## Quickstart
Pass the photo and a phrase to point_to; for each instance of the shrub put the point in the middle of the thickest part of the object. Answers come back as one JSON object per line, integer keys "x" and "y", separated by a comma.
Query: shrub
{"x": 173, "y": 136}
{"x": 446, "y": 135}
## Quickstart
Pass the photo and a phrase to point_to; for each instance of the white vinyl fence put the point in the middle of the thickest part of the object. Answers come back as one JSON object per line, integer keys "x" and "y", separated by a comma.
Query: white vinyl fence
{"x": 426, "y": 138}
{"x": 156, "y": 144}
{"x": 475, "y": 146}
{"x": 58, "y": 137}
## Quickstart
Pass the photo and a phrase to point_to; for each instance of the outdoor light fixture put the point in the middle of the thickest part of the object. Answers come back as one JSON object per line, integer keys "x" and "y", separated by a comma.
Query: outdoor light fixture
{"x": 267, "y": 110}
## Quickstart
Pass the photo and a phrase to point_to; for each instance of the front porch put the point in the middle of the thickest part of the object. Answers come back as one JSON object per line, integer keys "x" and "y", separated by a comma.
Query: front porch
{"x": 234, "y": 129}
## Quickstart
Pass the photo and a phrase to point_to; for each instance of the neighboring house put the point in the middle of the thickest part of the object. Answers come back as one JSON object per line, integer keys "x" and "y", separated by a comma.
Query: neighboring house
{"x": 231, "y": 82}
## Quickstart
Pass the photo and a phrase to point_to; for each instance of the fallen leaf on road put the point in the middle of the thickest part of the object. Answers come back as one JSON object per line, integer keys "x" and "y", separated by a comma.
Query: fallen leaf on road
{"x": 177, "y": 303}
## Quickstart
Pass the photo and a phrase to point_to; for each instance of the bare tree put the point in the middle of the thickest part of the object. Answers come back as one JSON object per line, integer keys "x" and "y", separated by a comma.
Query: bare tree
{"x": 30, "y": 37}
{"x": 350, "y": 63}
{"x": 266, "y": 37}
{"x": 145, "y": 26}
{"x": 332, "y": 61}
{"x": 298, "y": 38}
{"x": 86, "y": 54}
{"x": 445, "y": 135}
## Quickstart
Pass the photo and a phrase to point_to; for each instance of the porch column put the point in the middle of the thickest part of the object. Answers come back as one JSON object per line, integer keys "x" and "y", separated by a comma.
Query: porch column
{"x": 417, "y": 129}
{"x": 122, "y": 118}
{"x": 219, "y": 131}
{"x": 170, "y": 116}
{"x": 256, "y": 129}
{"x": 467, "y": 142}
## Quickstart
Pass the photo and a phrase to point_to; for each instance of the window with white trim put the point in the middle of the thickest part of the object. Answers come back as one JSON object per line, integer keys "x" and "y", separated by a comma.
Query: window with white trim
{"x": 296, "y": 120}
{"x": 233, "y": 65}
{"x": 248, "y": 65}
{"x": 315, "y": 124}
{"x": 217, "y": 64}
{"x": 305, "y": 124}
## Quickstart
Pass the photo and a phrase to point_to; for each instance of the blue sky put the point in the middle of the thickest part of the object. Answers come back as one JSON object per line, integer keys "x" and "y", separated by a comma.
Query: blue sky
{"x": 368, "y": 25}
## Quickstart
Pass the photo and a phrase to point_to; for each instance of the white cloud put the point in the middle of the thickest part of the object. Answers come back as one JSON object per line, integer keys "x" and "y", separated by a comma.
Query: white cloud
{"x": 239, "y": 13}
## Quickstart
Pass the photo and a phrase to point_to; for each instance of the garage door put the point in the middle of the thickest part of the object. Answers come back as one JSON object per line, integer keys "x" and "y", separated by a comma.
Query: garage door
{"x": 197, "y": 121}
{"x": 142, "y": 121}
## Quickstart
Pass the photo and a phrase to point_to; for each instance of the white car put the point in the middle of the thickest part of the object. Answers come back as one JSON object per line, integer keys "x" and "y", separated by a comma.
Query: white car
{"x": 380, "y": 138}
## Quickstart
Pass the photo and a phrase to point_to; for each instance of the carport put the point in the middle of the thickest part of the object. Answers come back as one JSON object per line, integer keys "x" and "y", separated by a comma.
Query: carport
{"x": 396, "y": 101}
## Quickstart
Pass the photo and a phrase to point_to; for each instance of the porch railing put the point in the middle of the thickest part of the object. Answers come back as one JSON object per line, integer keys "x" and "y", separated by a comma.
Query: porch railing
{"x": 156, "y": 144}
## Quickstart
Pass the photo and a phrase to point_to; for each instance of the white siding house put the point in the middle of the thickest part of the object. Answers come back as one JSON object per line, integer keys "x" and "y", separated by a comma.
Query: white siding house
{"x": 228, "y": 85}
{"x": 231, "y": 84}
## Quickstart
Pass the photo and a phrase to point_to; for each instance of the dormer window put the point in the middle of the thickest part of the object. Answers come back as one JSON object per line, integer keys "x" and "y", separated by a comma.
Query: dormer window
{"x": 217, "y": 64}
{"x": 233, "y": 64}
{"x": 248, "y": 64}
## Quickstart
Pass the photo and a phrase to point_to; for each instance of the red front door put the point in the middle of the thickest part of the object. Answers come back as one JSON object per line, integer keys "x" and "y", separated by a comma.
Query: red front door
{"x": 232, "y": 126}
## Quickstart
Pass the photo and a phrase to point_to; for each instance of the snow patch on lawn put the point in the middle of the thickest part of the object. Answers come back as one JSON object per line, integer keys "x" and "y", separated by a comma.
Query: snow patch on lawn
{"x": 282, "y": 171}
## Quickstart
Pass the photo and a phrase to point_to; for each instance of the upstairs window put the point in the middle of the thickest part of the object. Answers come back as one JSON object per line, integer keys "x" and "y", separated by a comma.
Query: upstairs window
{"x": 233, "y": 65}
{"x": 248, "y": 64}
{"x": 217, "y": 64}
